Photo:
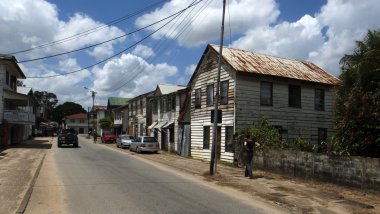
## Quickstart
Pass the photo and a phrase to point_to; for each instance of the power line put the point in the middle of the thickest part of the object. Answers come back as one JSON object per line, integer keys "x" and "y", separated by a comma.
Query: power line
{"x": 97, "y": 63}
{"x": 89, "y": 31}
{"x": 168, "y": 35}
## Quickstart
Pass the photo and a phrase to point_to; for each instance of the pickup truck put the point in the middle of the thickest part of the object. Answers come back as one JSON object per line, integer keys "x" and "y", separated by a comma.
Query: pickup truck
{"x": 67, "y": 136}
{"x": 108, "y": 136}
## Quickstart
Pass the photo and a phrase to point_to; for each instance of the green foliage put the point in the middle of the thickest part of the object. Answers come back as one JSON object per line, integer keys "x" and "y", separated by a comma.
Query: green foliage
{"x": 106, "y": 123}
{"x": 358, "y": 100}
{"x": 263, "y": 133}
{"x": 65, "y": 109}
{"x": 300, "y": 144}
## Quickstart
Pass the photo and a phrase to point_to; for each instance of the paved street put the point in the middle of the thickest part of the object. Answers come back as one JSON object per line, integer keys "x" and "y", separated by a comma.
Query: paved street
{"x": 100, "y": 178}
{"x": 95, "y": 179}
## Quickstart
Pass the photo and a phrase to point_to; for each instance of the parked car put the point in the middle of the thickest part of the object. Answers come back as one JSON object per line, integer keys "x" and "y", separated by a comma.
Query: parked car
{"x": 108, "y": 137}
{"x": 144, "y": 144}
{"x": 68, "y": 136}
{"x": 124, "y": 140}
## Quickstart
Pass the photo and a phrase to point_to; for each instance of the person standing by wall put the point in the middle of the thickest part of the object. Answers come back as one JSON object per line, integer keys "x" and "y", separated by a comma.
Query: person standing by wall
{"x": 95, "y": 135}
{"x": 249, "y": 145}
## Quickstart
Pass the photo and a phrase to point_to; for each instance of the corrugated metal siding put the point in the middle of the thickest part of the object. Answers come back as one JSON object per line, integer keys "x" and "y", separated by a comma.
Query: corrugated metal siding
{"x": 245, "y": 61}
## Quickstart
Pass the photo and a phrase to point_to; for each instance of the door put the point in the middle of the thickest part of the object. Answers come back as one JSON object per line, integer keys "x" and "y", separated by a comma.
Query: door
{"x": 219, "y": 145}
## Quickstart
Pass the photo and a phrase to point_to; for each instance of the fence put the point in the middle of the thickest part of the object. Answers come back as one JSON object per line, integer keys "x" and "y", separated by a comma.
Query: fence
{"x": 359, "y": 172}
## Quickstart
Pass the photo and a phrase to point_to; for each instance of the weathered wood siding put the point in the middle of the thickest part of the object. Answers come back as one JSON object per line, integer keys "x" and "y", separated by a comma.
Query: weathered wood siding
{"x": 299, "y": 122}
{"x": 200, "y": 117}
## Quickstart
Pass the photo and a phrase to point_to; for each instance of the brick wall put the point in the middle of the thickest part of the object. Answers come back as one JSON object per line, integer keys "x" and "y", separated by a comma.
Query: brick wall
{"x": 352, "y": 171}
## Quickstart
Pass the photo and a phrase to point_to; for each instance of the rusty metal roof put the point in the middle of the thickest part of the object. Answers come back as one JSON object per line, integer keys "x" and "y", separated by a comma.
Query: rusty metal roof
{"x": 246, "y": 61}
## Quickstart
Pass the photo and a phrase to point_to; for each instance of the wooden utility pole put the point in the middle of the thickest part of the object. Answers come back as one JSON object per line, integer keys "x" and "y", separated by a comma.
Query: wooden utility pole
{"x": 213, "y": 160}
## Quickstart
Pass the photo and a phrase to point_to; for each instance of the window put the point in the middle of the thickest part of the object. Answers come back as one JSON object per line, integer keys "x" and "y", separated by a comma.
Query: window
{"x": 295, "y": 96}
{"x": 319, "y": 100}
{"x": 155, "y": 106}
{"x": 197, "y": 98}
{"x": 210, "y": 95}
{"x": 141, "y": 107}
{"x": 322, "y": 135}
{"x": 72, "y": 120}
{"x": 266, "y": 94}
{"x": 224, "y": 92}
{"x": 229, "y": 137}
{"x": 7, "y": 78}
{"x": 164, "y": 104}
{"x": 81, "y": 121}
{"x": 206, "y": 137}
{"x": 173, "y": 102}
{"x": 13, "y": 82}
{"x": 141, "y": 129}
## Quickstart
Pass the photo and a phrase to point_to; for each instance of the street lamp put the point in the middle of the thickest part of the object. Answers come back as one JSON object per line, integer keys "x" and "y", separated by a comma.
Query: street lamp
{"x": 93, "y": 105}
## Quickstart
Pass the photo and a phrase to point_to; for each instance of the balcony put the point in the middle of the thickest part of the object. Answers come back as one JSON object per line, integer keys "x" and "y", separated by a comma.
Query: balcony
{"x": 19, "y": 117}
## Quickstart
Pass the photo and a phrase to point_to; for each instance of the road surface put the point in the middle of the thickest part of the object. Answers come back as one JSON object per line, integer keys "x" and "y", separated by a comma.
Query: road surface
{"x": 96, "y": 179}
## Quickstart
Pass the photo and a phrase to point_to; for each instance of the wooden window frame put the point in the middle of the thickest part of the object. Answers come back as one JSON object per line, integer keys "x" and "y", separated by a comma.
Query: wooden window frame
{"x": 224, "y": 93}
{"x": 229, "y": 136}
{"x": 210, "y": 95}
{"x": 295, "y": 94}
{"x": 206, "y": 137}
{"x": 319, "y": 101}
{"x": 263, "y": 100}
{"x": 197, "y": 100}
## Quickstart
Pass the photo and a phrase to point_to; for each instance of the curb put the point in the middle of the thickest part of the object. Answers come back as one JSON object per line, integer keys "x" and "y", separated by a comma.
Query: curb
{"x": 25, "y": 200}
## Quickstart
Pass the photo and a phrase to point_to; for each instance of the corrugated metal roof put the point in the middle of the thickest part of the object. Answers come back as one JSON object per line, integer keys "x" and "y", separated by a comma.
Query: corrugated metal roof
{"x": 246, "y": 61}
{"x": 167, "y": 89}
{"x": 117, "y": 101}
{"x": 77, "y": 116}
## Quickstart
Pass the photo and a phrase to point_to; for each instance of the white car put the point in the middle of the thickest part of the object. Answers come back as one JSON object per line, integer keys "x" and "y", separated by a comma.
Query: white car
{"x": 144, "y": 144}
{"x": 124, "y": 141}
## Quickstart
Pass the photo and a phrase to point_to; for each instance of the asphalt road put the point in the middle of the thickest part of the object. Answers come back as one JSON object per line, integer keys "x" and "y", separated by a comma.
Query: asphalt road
{"x": 96, "y": 179}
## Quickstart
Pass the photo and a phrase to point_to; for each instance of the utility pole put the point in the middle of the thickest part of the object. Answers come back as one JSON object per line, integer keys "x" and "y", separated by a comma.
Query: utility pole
{"x": 93, "y": 106}
{"x": 213, "y": 160}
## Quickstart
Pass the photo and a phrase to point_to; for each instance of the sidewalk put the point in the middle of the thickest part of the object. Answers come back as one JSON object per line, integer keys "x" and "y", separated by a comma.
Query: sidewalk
{"x": 288, "y": 193}
{"x": 19, "y": 166}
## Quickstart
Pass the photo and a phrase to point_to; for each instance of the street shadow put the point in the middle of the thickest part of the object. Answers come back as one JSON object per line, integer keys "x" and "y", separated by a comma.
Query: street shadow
{"x": 69, "y": 146}
{"x": 33, "y": 144}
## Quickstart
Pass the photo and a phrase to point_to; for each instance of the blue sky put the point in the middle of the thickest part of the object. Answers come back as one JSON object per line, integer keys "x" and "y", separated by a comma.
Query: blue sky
{"x": 319, "y": 31}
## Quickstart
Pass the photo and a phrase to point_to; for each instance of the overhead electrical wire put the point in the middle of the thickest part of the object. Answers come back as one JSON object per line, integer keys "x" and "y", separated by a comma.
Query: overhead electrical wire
{"x": 89, "y": 31}
{"x": 180, "y": 32}
{"x": 158, "y": 46}
{"x": 120, "y": 52}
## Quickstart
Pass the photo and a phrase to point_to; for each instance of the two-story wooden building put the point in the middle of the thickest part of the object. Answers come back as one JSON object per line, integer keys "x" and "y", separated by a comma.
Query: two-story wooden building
{"x": 295, "y": 96}
{"x": 166, "y": 106}
{"x": 139, "y": 114}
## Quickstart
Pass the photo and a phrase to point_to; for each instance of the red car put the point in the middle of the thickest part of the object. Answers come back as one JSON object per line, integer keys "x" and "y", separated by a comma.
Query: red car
{"x": 108, "y": 137}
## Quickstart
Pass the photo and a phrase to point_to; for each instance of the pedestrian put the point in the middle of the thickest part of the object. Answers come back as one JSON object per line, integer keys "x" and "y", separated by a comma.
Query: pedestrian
{"x": 95, "y": 135}
{"x": 249, "y": 145}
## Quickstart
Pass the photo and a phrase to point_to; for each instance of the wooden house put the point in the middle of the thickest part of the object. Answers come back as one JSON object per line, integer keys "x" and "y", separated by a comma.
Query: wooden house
{"x": 296, "y": 97}
{"x": 139, "y": 114}
{"x": 165, "y": 116}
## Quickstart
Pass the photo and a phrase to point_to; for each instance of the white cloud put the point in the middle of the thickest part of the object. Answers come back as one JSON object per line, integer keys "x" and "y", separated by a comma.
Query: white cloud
{"x": 345, "y": 21}
{"x": 130, "y": 75}
{"x": 189, "y": 70}
{"x": 143, "y": 51}
{"x": 206, "y": 26}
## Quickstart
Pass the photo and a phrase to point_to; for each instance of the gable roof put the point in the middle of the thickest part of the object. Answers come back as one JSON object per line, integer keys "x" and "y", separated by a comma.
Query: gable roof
{"x": 168, "y": 89}
{"x": 77, "y": 116}
{"x": 117, "y": 101}
{"x": 13, "y": 64}
{"x": 257, "y": 63}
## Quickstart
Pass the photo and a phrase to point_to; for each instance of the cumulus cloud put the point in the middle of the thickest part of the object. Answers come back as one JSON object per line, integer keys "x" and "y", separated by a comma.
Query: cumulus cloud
{"x": 143, "y": 51}
{"x": 202, "y": 25}
{"x": 130, "y": 75}
{"x": 189, "y": 70}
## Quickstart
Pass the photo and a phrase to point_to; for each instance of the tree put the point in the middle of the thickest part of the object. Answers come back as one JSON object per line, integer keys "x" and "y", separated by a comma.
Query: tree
{"x": 107, "y": 122}
{"x": 358, "y": 100}
{"x": 47, "y": 98}
{"x": 65, "y": 109}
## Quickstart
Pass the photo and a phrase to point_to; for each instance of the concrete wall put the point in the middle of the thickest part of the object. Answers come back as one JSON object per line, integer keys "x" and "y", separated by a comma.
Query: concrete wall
{"x": 352, "y": 171}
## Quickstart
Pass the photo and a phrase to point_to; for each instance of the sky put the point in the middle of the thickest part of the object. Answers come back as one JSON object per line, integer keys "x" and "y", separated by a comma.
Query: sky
{"x": 126, "y": 48}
